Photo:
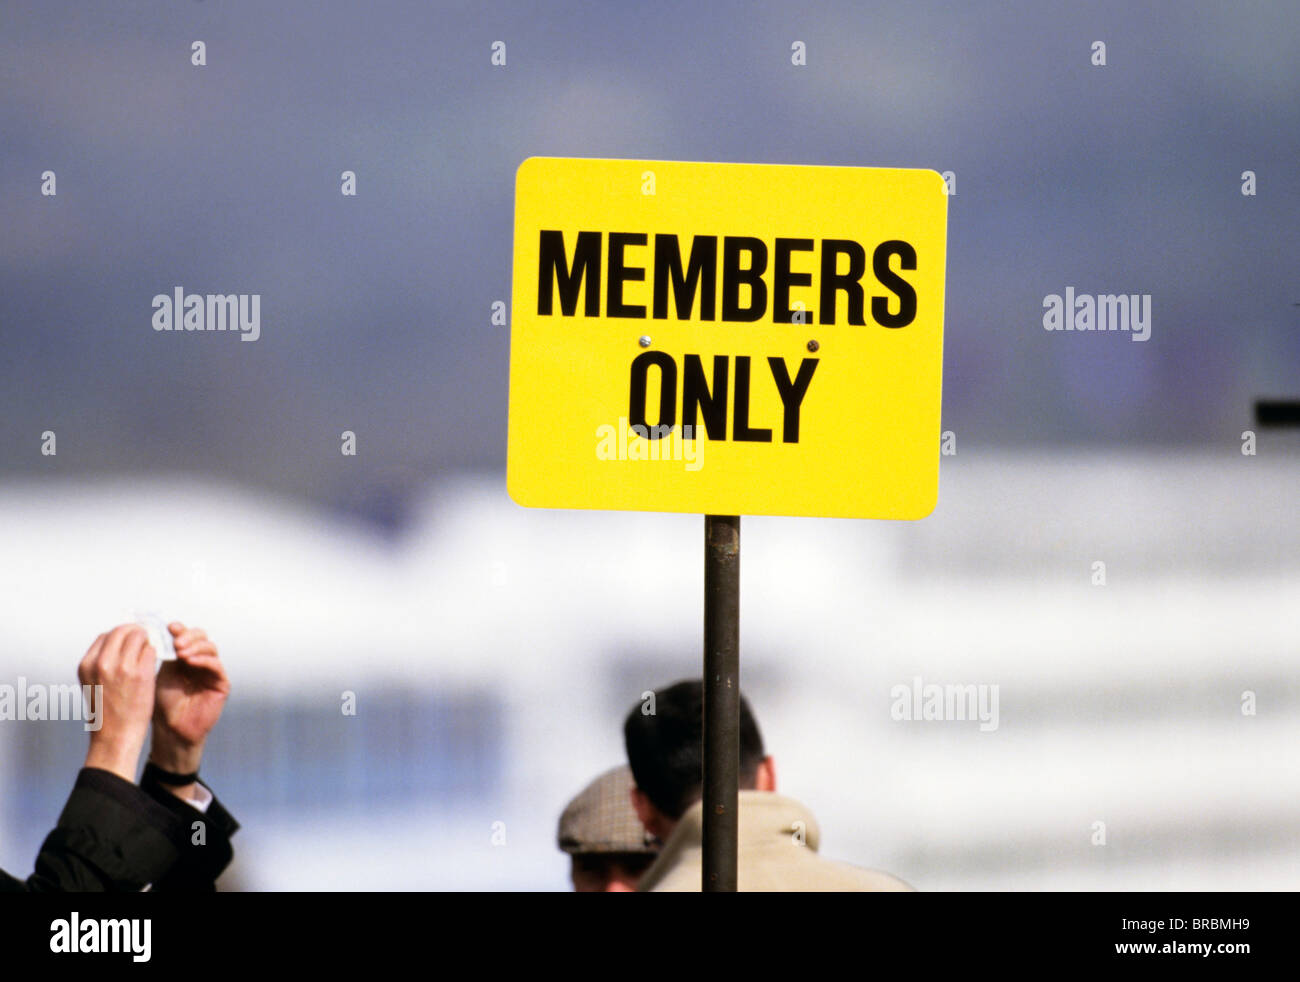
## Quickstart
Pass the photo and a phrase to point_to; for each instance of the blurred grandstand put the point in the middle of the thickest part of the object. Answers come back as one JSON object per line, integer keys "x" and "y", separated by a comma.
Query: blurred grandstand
{"x": 493, "y": 651}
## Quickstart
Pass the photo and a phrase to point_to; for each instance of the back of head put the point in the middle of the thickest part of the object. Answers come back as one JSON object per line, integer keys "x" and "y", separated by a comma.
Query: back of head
{"x": 665, "y": 747}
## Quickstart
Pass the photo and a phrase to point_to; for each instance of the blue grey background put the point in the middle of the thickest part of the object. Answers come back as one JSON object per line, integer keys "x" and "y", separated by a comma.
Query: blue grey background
{"x": 375, "y": 309}
{"x": 493, "y": 649}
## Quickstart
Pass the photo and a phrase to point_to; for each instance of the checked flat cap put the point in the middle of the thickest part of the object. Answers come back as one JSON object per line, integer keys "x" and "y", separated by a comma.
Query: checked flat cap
{"x": 601, "y": 819}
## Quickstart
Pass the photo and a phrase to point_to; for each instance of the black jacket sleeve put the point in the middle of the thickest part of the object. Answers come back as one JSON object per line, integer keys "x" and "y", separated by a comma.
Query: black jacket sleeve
{"x": 206, "y": 849}
{"x": 111, "y": 836}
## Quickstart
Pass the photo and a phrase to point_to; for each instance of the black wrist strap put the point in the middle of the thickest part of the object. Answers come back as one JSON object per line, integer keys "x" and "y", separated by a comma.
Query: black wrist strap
{"x": 171, "y": 778}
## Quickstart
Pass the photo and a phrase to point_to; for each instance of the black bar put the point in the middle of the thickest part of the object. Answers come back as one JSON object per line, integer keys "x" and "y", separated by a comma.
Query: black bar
{"x": 1277, "y": 412}
{"x": 721, "y": 700}
{"x": 329, "y": 932}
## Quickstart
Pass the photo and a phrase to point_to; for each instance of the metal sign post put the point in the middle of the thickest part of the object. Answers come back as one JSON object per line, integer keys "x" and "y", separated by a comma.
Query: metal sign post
{"x": 721, "y": 752}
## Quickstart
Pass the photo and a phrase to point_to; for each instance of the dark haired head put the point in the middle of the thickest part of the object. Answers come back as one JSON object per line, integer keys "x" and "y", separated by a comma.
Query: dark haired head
{"x": 665, "y": 752}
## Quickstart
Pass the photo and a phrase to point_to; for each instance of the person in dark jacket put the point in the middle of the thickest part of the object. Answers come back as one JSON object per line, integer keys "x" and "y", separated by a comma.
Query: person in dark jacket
{"x": 168, "y": 832}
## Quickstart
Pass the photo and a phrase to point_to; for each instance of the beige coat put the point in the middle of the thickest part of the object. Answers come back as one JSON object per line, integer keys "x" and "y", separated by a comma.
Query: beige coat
{"x": 778, "y": 851}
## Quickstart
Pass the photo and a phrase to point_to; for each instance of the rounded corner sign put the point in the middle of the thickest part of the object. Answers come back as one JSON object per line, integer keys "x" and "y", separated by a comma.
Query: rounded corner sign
{"x": 734, "y": 339}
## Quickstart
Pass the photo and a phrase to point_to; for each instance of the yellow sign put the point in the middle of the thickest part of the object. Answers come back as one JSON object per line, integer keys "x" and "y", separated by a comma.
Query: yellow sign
{"x": 728, "y": 339}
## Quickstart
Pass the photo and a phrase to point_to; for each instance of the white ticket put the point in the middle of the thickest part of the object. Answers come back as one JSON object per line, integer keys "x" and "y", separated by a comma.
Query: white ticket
{"x": 161, "y": 638}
